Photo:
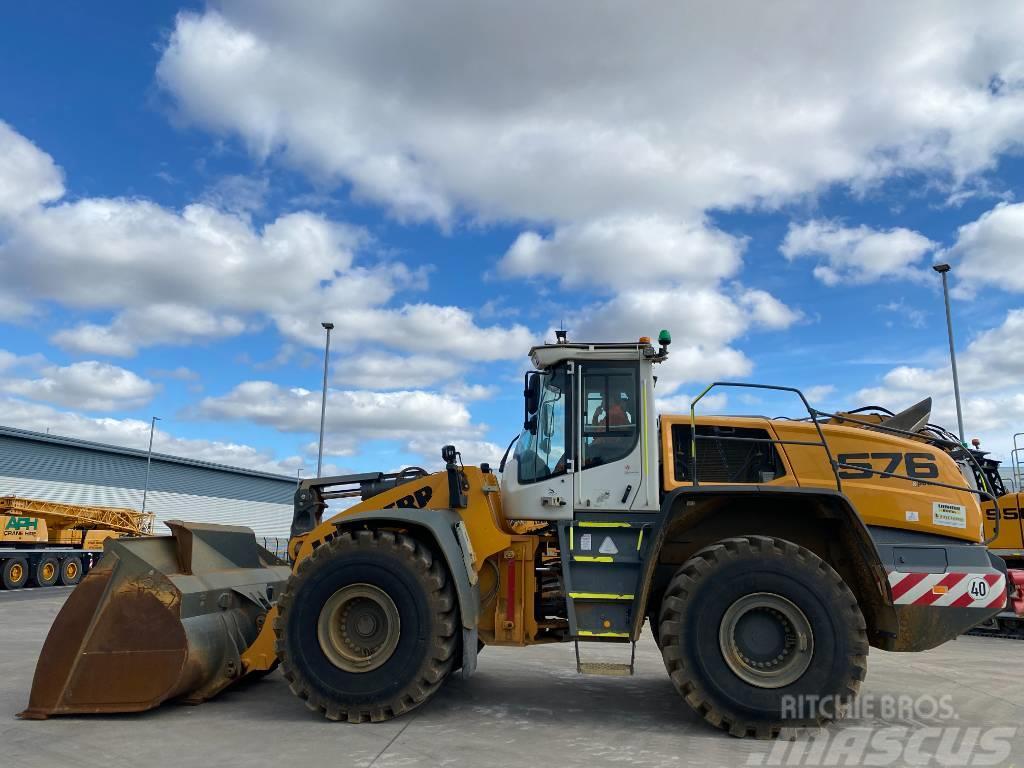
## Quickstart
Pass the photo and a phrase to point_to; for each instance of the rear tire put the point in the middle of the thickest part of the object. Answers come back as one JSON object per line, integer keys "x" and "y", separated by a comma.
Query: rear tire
{"x": 14, "y": 574}
{"x": 46, "y": 573}
{"x": 367, "y": 626}
{"x": 71, "y": 571}
{"x": 759, "y": 634}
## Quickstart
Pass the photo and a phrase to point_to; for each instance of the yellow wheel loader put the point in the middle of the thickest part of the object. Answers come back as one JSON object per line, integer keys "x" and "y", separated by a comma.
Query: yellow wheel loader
{"x": 766, "y": 554}
{"x": 1004, "y": 526}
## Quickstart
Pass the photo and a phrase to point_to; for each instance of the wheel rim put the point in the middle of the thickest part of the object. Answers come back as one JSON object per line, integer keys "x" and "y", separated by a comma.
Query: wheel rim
{"x": 48, "y": 571}
{"x": 70, "y": 570}
{"x": 766, "y": 640}
{"x": 17, "y": 573}
{"x": 358, "y": 628}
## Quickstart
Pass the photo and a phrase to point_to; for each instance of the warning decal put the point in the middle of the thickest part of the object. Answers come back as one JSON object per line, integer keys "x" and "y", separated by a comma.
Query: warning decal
{"x": 585, "y": 542}
{"x": 608, "y": 547}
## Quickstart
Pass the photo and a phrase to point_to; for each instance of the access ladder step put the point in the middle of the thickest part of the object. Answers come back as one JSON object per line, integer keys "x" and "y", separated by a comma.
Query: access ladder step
{"x": 604, "y": 668}
{"x": 608, "y": 669}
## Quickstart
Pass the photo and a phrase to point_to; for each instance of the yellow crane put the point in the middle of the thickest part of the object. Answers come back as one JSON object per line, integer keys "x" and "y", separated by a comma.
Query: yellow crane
{"x": 45, "y": 543}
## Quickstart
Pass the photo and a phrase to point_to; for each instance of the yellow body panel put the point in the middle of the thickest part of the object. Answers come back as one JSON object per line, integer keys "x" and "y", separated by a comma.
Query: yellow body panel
{"x": 1010, "y": 541}
{"x": 880, "y": 500}
{"x": 489, "y": 534}
{"x": 33, "y": 530}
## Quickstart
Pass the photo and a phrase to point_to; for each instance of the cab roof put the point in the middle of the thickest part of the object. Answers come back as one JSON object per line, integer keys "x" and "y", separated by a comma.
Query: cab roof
{"x": 546, "y": 355}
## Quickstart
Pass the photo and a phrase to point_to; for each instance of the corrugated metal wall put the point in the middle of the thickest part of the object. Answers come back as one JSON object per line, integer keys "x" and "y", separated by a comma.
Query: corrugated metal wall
{"x": 82, "y": 475}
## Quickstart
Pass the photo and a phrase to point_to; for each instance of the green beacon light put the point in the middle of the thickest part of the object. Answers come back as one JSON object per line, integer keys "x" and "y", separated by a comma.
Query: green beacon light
{"x": 664, "y": 338}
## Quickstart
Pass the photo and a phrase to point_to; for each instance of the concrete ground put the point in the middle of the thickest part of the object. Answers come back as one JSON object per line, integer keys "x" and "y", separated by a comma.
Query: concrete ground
{"x": 523, "y": 707}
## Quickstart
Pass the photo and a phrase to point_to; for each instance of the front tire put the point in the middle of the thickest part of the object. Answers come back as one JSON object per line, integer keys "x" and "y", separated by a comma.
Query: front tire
{"x": 759, "y": 634}
{"x": 367, "y": 626}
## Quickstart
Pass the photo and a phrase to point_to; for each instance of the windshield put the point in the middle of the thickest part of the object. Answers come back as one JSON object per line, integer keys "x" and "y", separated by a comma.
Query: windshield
{"x": 541, "y": 454}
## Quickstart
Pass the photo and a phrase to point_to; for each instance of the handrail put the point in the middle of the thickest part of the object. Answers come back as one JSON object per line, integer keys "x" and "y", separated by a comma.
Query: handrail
{"x": 815, "y": 413}
{"x": 797, "y": 392}
{"x": 1016, "y": 466}
{"x": 1016, "y": 463}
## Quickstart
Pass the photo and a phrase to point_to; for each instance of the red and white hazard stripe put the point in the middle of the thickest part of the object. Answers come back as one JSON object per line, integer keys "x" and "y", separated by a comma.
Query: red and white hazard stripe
{"x": 955, "y": 589}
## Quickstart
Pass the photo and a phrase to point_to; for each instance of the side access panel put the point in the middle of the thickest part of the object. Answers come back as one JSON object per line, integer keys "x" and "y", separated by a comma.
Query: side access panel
{"x": 603, "y": 558}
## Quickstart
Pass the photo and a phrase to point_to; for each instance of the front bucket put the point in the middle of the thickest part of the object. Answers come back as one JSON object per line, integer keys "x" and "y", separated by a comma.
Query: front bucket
{"x": 159, "y": 618}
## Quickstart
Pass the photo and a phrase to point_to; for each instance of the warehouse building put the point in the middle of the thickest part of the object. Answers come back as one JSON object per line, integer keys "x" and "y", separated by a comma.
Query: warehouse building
{"x": 41, "y": 466}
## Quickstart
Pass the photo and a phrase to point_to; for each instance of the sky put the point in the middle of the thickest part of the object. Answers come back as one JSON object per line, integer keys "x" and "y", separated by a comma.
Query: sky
{"x": 188, "y": 191}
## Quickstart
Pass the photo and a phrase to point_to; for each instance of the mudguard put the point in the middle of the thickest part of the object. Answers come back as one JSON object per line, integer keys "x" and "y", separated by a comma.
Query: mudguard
{"x": 443, "y": 527}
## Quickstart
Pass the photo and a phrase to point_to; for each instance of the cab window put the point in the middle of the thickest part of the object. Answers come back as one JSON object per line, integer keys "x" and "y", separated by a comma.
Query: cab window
{"x": 540, "y": 453}
{"x": 610, "y": 418}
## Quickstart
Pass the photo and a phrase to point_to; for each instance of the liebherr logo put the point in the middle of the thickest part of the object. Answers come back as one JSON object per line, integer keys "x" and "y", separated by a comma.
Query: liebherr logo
{"x": 416, "y": 500}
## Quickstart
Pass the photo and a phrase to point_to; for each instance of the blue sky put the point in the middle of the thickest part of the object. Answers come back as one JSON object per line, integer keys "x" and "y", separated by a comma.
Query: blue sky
{"x": 187, "y": 190}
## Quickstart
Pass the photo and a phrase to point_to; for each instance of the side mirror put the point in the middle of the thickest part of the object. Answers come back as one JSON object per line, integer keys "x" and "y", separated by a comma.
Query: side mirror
{"x": 531, "y": 398}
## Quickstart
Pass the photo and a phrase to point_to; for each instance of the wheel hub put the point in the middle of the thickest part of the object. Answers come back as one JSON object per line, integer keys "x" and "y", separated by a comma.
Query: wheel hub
{"x": 766, "y": 640}
{"x": 358, "y": 628}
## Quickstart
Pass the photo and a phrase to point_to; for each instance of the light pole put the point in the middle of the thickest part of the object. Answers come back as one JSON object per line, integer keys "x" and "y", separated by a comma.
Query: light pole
{"x": 943, "y": 270}
{"x": 323, "y": 400}
{"x": 149, "y": 460}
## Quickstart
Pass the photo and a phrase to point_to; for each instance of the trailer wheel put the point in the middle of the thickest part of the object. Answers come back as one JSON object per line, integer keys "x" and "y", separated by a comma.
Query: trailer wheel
{"x": 71, "y": 571}
{"x": 15, "y": 573}
{"x": 367, "y": 626}
{"x": 759, "y": 634}
{"x": 46, "y": 572}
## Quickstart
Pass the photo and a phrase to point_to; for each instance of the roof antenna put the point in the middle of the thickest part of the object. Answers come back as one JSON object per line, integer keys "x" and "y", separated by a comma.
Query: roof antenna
{"x": 561, "y": 333}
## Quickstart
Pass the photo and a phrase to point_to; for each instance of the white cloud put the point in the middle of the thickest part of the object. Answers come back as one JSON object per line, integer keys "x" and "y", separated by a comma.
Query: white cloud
{"x": 615, "y": 251}
{"x": 181, "y": 373}
{"x": 464, "y": 391}
{"x": 351, "y": 415}
{"x": 617, "y": 136}
{"x": 205, "y": 273}
{"x": 434, "y": 109}
{"x": 704, "y": 321}
{"x": 379, "y": 370}
{"x": 818, "y": 393}
{"x": 990, "y": 369}
{"x": 28, "y": 176}
{"x": 990, "y": 251}
{"x": 915, "y": 318}
{"x": 474, "y": 452}
{"x": 767, "y": 311}
{"x": 134, "y": 433}
{"x": 10, "y": 361}
{"x": 857, "y": 254}
{"x": 415, "y": 328}
{"x": 166, "y": 324}
{"x": 88, "y": 385}
{"x": 715, "y": 402}
{"x": 238, "y": 194}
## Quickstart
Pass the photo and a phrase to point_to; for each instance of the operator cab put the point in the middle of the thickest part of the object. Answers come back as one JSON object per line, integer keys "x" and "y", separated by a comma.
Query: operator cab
{"x": 589, "y": 431}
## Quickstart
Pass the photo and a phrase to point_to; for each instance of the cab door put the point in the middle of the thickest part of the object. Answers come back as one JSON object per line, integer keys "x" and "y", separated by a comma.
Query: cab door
{"x": 537, "y": 483}
{"x": 608, "y": 427}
